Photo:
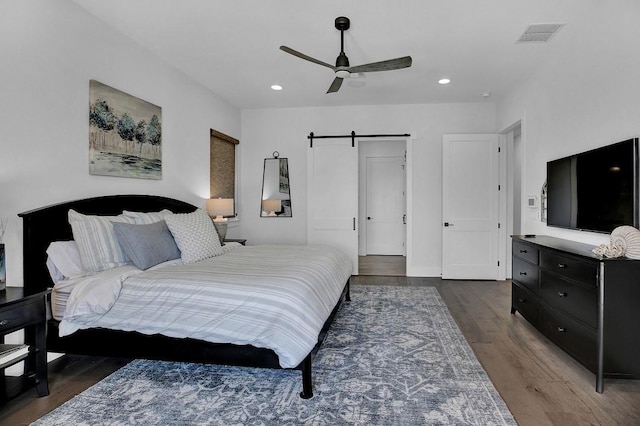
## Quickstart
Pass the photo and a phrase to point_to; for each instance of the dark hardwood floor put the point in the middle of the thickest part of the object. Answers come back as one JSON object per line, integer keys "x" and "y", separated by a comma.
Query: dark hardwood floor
{"x": 382, "y": 265}
{"x": 68, "y": 376}
{"x": 540, "y": 383}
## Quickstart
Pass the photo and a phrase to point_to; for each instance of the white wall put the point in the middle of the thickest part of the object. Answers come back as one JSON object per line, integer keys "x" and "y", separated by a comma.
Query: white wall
{"x": 50, "y": 50}
{"x": 286, "y": 130}
{"x": 588, "y": 96}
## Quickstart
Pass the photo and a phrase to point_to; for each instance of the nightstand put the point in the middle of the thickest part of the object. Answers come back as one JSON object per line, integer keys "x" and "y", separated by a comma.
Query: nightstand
{"x": 242, "y": 241}
{"x": 19, "y": 311}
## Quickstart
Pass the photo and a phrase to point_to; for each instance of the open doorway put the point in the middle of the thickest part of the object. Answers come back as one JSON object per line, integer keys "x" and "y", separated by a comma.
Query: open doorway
{"x": 514, "y": 182}
{"x": 382, "y": 207}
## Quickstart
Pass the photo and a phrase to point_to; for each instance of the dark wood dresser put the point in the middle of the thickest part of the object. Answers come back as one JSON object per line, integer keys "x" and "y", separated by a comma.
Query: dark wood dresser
{"x": 588, "y": 306}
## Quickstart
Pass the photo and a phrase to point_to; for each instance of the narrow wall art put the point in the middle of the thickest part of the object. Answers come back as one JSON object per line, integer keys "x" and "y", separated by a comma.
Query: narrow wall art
{"x": 125, "y": 134}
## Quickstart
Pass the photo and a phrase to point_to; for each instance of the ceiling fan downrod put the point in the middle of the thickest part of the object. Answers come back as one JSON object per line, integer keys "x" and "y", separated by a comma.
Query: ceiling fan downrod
{"x": 342, "y": 24}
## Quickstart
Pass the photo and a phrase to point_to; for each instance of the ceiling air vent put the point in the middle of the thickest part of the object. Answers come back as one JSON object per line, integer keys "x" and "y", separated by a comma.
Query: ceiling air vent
{"x": 539, "y": 33}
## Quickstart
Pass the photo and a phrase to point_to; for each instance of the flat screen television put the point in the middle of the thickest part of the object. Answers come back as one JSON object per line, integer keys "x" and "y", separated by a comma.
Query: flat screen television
{"x": 595, "y": 190}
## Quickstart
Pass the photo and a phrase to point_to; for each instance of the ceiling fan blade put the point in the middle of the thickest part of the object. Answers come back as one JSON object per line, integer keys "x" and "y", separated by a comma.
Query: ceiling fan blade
{"x": 335, "y": 86}
{"x": 388, "y": 65}
{"x": 306, "y": 57}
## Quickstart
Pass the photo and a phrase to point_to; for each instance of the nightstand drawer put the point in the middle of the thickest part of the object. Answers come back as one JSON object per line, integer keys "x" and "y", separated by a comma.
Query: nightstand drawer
{"x": 19, "y": 315}
{"x": 526, "y": 252}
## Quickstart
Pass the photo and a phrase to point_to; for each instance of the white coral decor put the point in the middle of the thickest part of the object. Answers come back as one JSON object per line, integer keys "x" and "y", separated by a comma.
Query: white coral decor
{"x": 609, "y": 250}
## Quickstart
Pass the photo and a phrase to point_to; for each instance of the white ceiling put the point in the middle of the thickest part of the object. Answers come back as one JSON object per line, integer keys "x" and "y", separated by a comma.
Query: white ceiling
{"x": 232, "y": 47}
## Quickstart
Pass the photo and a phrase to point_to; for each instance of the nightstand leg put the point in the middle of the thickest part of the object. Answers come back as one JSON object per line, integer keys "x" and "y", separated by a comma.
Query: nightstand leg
{"x": 36, "y": 337}
{"x": 42, "y": 380}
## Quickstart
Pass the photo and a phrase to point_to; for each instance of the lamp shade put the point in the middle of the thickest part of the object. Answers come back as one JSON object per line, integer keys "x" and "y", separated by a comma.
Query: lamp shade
{"x": 220, "y": 207}
{"x": 271, "y": 206}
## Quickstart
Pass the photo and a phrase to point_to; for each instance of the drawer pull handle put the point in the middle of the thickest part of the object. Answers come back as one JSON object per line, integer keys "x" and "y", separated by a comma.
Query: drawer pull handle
{"x": 4, "y": 322}
{"x": 562, "y": 265}
{"x": 523, "y": 251}
{"x": 523, "y": 273}
{"x": 562, "y": 330}
{"x": 562, "y": 294}
{"x": 521, "y": 300}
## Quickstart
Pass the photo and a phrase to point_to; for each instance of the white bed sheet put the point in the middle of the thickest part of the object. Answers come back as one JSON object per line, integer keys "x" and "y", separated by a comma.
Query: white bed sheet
{"x": 272, "y": 296}
{"x": 60, "y": 294}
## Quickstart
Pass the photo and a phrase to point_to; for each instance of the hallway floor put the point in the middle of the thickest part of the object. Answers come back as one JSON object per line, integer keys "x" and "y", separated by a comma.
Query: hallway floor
{"x": 393, "y": 266}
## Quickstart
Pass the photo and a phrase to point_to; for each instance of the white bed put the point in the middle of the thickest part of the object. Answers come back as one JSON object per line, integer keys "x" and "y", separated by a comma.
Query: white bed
{"x": 272, "y": 296}
{"x": 143, "y": 276}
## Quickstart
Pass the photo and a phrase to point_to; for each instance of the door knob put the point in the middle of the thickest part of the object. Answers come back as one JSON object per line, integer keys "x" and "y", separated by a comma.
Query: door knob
{"x": 448, "y": 224}
{"x": 369, "y": 218}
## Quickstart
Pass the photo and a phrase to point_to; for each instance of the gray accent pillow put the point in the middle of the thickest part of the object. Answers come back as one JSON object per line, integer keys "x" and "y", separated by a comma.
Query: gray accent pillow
{"x": 147, "y": 245}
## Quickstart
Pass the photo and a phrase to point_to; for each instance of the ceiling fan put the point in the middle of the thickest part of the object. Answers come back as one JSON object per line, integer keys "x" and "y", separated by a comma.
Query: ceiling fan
{"x": 342, "y": 68}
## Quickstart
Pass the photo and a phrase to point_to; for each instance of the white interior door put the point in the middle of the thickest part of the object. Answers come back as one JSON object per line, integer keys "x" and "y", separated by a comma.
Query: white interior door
{"x": 332, "y": 182}
{"x": 470, "y": 206}
{"x": 385, "y": 206}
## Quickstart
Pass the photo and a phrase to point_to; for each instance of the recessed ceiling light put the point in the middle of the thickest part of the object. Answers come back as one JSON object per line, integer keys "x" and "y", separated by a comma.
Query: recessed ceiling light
{"x": 276, "y": 87}
{"x": 444, "y": 81}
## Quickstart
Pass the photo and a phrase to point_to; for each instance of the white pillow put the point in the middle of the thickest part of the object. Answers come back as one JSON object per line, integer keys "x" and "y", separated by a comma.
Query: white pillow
{"x": 54, "y": 273}
{"x": 195, "y": 235}
{"x": 97, "y": 241}
{"x": 65, "y": 257}
{"x": 146, "y": 218}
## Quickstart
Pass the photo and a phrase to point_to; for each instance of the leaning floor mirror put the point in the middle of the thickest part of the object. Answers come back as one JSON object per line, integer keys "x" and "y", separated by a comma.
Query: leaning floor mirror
{"x": 276, "y": 196}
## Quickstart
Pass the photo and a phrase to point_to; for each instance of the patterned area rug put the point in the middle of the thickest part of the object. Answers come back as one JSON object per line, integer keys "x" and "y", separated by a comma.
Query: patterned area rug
{"x": 393, "y": 356}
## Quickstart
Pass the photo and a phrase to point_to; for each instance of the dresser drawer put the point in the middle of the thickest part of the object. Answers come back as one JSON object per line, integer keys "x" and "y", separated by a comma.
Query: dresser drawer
{"x": 524, "y": 302}
{"x": 525, "y": 273}
{"x": 19, "y": 315}
{"x": 579, "y": 302}
{"x": 526, "y": 252}
{"x": 581, "y": 271}
{"x": 574, "y": 338}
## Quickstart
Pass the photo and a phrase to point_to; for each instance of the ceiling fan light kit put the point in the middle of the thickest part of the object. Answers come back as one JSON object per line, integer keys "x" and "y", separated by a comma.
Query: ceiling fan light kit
{"x": 342, "y": 69}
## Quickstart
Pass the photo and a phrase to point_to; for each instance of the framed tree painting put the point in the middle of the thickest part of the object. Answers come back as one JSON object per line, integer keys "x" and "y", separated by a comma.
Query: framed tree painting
{"x": 125, "y": 134}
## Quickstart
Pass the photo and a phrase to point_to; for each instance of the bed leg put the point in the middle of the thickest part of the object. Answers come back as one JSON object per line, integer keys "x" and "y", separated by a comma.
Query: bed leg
{"x": 347, "y": 296}
{"x": 307, "y": 385}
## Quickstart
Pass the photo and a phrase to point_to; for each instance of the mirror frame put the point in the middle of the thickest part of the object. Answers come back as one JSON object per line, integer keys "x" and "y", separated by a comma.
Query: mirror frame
{"x": 286, "y": 208}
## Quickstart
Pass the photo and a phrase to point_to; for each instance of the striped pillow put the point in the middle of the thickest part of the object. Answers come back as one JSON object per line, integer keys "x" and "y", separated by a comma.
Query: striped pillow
{"x": 97, "y": 241}
{"x": 144, "y": 218}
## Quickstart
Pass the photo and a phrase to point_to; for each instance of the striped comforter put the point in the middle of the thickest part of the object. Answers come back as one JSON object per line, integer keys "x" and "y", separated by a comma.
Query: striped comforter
{"x": 270, "y": 296}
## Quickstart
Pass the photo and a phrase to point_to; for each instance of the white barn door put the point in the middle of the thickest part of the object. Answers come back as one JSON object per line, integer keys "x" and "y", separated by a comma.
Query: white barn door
{"x": 332, "y": 183}
{"x": 470, "y": 207}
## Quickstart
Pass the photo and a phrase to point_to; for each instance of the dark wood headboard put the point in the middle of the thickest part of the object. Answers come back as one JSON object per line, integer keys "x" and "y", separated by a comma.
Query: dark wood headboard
{"x": 44, "y": 225}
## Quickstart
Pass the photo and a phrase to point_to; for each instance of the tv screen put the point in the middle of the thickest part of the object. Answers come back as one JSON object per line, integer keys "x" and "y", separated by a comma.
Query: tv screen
{"x": 595, "y": 190}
